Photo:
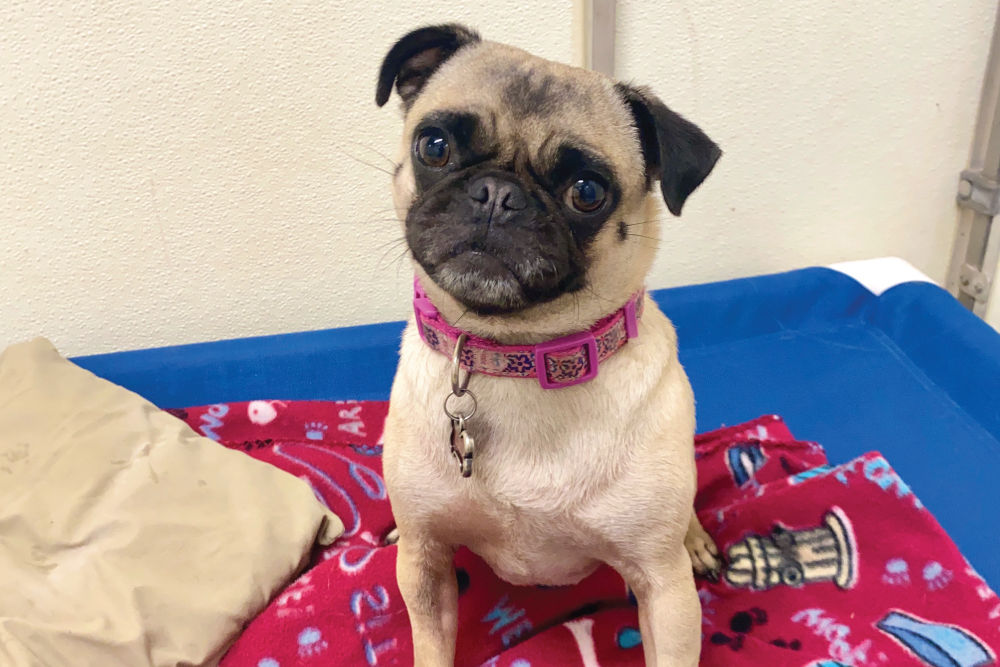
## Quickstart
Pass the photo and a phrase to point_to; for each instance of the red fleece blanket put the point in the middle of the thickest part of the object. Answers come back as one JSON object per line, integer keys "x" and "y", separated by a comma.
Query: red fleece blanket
{"x": 825, "y": 566}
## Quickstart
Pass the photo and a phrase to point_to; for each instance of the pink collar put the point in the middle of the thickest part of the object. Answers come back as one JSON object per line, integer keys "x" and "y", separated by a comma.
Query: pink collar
{"x": 568, "y": 360}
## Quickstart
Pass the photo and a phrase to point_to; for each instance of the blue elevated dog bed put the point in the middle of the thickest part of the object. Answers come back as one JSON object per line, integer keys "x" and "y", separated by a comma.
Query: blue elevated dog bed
{"x": 910, "y": 373}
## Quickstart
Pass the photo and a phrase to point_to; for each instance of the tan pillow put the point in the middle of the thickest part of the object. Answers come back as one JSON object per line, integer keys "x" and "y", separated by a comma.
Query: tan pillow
{"x": 125, "y": 538}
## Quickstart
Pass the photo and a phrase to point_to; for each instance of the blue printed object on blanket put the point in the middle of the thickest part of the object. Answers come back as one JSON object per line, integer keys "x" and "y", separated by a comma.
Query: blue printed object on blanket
{"x": 937, "y": 644}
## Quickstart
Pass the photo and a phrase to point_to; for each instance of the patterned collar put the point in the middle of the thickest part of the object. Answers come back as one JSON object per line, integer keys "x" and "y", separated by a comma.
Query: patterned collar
{"x": 568, "y": 360}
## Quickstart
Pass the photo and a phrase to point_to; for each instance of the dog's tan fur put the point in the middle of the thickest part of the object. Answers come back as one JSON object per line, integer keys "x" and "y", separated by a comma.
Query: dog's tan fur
{"x": 564, "y": 479}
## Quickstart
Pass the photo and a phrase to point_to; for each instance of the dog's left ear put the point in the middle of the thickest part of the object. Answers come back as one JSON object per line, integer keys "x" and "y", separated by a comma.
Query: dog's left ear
{"x": 413, "y": 59}
{"x": 675, "y": 150}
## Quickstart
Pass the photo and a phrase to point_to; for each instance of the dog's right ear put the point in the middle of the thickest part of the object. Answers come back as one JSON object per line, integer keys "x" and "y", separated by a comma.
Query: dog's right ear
{"x": 413, "y": 59}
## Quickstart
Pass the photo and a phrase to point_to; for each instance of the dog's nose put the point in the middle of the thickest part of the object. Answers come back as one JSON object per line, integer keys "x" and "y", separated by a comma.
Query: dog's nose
{"x": 497, "y": 197}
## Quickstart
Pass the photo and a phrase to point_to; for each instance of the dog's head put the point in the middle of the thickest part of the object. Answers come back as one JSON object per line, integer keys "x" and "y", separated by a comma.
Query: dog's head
{"x": 526, "y": 182}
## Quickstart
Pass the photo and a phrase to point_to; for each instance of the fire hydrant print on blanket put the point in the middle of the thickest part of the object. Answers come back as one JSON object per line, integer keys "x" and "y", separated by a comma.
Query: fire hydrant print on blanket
{"x": 825, "y": 566}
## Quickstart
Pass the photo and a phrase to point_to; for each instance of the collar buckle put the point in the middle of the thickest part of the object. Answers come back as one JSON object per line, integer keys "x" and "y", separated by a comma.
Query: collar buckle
{"x": 423, "y": 310}
{"x": 565, "y": 366}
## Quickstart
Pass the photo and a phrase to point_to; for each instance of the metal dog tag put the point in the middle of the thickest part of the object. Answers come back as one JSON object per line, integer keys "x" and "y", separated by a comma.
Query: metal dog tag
{"x": 463, "y": 447}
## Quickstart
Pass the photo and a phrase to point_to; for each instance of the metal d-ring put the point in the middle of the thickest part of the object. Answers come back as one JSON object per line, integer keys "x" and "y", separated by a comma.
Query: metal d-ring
{"x": 459, "y": 385}
{"x": 460, "y": 416}
{"x": 456, "y": 417}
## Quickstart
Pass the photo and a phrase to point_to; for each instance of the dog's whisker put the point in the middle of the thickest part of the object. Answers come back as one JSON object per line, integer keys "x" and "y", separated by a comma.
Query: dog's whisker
{"x": 391, "y": 209}
{"x": 368, "y": 164}
{"x": 392, "y": 246}
{"x": 392, "y": 242}
{"x": 383, "y": 263}
{"x": 643, "y": 236}
{"x": 382, "y": 155}
{"x": 644, "y": 222}
{"x": 590, "y": 288}
{"x": 398, "y": 261}
{"x": 341, "y": 223}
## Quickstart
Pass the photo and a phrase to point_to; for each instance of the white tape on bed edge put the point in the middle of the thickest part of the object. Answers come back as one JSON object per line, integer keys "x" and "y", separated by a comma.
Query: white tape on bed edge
{"x": 881, "y": 274}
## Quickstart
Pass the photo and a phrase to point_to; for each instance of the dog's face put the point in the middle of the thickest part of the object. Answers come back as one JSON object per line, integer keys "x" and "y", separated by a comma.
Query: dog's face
{"x": 525, "y": 182}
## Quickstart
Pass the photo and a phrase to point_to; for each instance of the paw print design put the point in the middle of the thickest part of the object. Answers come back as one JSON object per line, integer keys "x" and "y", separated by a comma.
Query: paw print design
{"x": 742, "y": 624}
{"x": 316, "y": 430}
{"x": 311, "y": 643}
{"x": 897, "y": 573}
{"x": 936, "y": 576}
{"x": 628, "y": 638}
{"x": 463, "y": 580}
{"x": 251, "y": 445}
{"x": 268, "y": 662}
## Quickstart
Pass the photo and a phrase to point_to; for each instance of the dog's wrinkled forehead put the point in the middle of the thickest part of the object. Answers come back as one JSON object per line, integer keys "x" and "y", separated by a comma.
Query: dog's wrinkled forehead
{"x": 530, "y": 108}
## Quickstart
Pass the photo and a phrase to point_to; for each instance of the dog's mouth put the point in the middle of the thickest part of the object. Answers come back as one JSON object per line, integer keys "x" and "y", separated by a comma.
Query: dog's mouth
{"x": 481, "y": 282}
{"x": 493, "y": 267}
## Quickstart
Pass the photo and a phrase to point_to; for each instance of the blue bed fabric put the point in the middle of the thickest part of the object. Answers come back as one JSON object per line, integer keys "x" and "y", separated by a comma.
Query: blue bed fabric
{"x": 910, "y": 373}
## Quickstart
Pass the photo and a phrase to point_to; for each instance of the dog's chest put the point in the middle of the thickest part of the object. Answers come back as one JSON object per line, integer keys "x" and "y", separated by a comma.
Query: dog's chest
{"x": 524, "y": 508}
{"x": 529, "y": 532}
{"x": 552, "y": 470}
{"x": 528, "y": 555}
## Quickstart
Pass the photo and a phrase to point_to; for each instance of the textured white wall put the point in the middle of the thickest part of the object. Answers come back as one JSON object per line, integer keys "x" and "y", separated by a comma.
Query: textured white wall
{"x": 844, "y": 126}
{"x": 175, "y": 172}
{"x": 178, "y": 171}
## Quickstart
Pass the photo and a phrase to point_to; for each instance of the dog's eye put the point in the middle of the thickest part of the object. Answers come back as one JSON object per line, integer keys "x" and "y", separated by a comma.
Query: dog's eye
{"x": 432, "y": 148}
{"x": 586, "y": 195}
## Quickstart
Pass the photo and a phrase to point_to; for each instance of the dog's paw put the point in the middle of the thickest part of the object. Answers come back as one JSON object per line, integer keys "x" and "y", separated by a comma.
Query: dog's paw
{"x": 391, "y": 538}
{"x": 704, "y": 554}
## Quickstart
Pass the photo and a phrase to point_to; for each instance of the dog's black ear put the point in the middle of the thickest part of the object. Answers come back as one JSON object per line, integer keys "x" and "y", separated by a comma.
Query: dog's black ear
{"x": 675, "y": 150}
{"x": 411, "y": 61}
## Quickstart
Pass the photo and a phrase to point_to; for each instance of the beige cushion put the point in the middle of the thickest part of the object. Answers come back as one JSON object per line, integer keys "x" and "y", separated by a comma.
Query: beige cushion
{"x": 125, "y": 538}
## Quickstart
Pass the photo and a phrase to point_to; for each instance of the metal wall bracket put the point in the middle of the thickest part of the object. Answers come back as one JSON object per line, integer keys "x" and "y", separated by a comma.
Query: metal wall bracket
{"x": 976, "y": 252}
{"x": 974, "y": 282}
{"x": 979, "y": 192}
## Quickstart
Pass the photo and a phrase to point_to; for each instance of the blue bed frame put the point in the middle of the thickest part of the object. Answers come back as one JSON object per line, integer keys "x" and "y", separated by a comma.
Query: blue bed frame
{"x": 910, "y": 373}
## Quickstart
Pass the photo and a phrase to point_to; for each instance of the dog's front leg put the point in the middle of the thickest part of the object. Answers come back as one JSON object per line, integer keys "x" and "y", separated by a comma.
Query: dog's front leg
{"x": 426, "y": 576}
{"x": 669, "y": 610}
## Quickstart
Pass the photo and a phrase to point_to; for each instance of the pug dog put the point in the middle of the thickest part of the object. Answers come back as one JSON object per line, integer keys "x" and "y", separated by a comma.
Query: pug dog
{"x": 531, "y": 216}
